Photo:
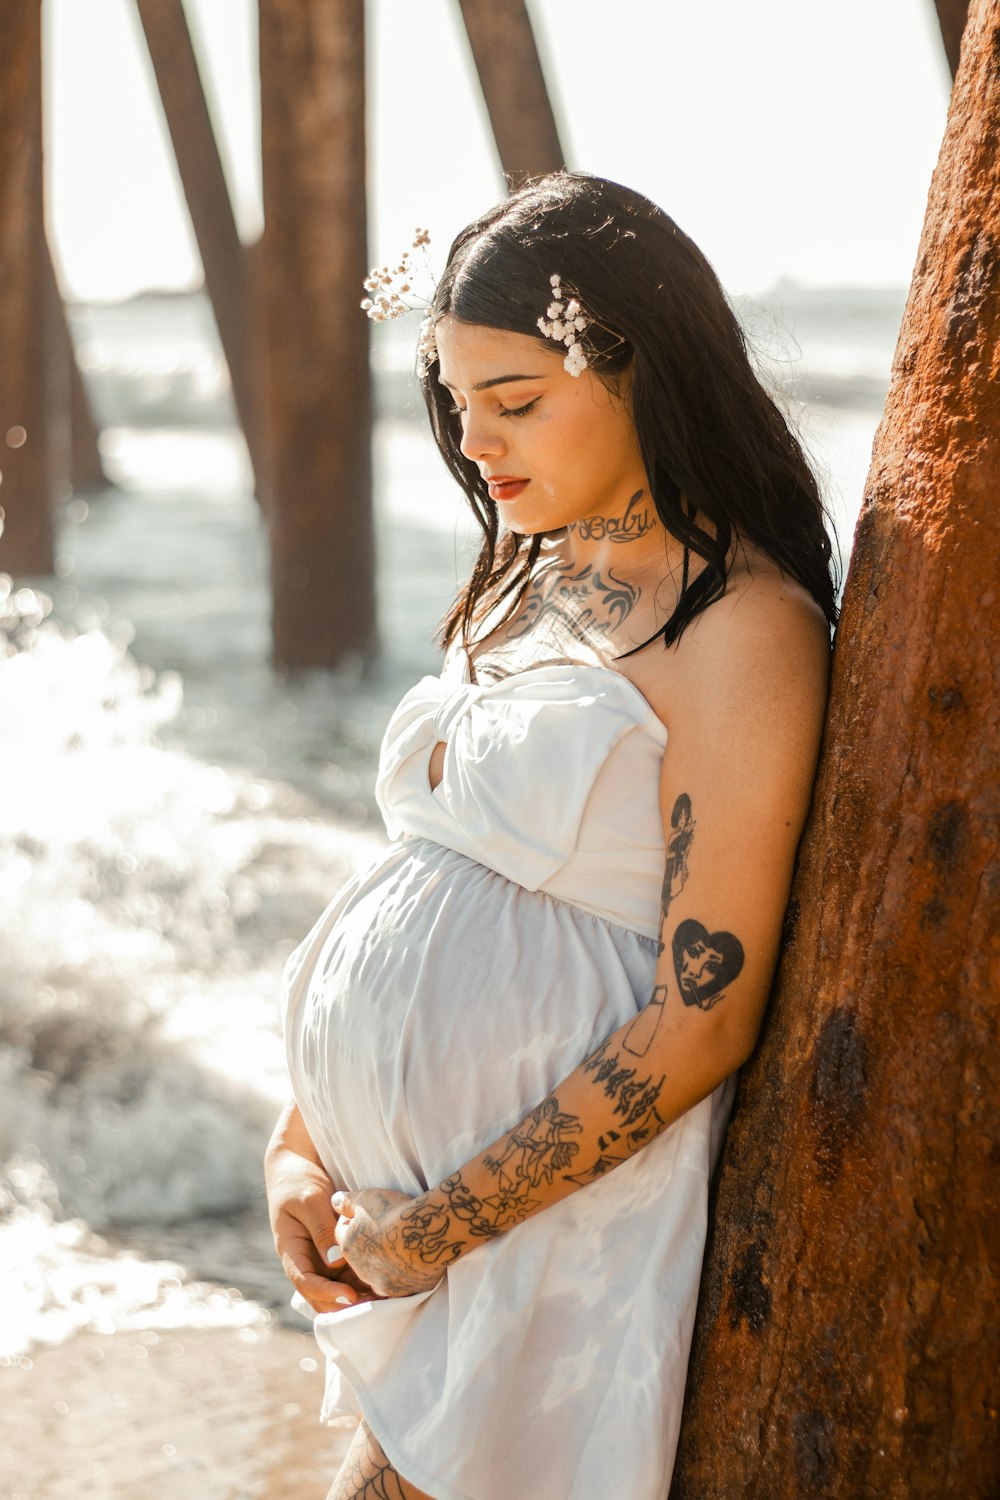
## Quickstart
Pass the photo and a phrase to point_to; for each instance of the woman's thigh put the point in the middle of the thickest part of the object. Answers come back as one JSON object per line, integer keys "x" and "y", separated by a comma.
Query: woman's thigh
{"x": 366, "y": 1473}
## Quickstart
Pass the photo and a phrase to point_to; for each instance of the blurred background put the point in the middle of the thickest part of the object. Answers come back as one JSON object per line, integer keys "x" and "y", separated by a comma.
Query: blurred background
{"x": 211, "y": 602}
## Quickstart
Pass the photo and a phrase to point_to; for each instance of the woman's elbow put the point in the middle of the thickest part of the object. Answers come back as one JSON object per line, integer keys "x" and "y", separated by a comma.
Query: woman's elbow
{"x": 736, "y": 1043}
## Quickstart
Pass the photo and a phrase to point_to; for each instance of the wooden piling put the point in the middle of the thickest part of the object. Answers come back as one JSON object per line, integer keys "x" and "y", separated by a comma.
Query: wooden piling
{"x": 510, "y": 72}
{"x": 80, "y": 454}
{"x": 26, "y": 543}
{"x": 951, "y": 16}
{"x": 200, "y": 167}
{"x": 311, "y": 268}
{"x": 848, "y": 1335}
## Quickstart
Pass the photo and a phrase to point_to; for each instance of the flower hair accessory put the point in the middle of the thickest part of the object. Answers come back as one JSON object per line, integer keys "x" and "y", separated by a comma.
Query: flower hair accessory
{"x": 565, "y": 322}
{"x": 389, "y": 290}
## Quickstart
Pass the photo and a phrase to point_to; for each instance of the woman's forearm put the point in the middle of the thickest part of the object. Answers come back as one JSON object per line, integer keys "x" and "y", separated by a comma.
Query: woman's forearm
{"x": 290, "y": 1134}
{"x": 629, "y": 1090}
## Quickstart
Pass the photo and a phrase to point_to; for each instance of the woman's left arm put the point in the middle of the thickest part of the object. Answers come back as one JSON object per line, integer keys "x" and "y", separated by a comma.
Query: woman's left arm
{"x": 747, "y": 694}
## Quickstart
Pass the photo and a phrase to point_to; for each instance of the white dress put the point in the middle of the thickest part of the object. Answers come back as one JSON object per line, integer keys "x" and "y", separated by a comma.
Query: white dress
{"x": 509, "y": 928}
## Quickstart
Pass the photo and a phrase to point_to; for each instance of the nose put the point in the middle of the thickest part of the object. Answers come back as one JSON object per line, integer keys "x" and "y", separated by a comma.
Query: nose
{"x": 481, "y": 437}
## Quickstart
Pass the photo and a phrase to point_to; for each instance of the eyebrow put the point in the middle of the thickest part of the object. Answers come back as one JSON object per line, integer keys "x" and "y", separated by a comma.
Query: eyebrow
{"x": 484, "y": 385}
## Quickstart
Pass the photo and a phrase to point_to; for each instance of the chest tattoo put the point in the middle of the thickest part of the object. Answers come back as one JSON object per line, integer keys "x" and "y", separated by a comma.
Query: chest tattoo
{"x": 580, "y": 603}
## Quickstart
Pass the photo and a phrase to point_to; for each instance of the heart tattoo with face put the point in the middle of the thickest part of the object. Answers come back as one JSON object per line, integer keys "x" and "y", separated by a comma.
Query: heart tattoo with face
{"x": 705, "y": 962}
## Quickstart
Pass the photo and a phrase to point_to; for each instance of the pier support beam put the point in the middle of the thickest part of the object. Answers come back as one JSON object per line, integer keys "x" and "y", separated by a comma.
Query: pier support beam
{"x": 848, "y": 1335}
{"x": 26, "y": 544}
{"x": 510, "y": 72}
{"x": 222, "y": 256}
{"x": 951, "y": 16}
{"x": 310, "y": 269}
{"x": 81, "y": 454}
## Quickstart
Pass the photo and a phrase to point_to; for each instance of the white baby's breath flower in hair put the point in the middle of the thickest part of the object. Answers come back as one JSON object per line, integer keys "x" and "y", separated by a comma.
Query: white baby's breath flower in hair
{"x": 575, "y": 361}
{"x": 564, "y": 323}
{"x": 427, "y": 345}
{"x": 390, "y": 290}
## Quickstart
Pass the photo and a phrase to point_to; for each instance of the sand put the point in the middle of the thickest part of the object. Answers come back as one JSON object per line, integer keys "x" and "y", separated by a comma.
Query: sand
{"x": 216, "y": 1414}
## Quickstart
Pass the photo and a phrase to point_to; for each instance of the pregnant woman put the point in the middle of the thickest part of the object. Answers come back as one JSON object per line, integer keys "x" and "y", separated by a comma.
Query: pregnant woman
{"x": 512, "y": 1040}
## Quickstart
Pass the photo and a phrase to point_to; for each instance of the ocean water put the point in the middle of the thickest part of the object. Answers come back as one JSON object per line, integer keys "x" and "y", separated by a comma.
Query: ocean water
{"x": 174, "y": 815}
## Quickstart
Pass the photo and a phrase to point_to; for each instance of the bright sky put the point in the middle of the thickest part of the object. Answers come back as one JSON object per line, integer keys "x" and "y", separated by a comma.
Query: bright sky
{"x": 787, "y": 139}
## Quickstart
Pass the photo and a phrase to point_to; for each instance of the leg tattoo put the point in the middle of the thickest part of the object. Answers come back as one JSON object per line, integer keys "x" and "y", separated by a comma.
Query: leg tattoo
{"x": 366, "y": 1473}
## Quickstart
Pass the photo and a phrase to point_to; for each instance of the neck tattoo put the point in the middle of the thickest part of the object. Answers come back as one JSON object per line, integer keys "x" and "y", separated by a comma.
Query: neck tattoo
{"x": 637, "y": 520}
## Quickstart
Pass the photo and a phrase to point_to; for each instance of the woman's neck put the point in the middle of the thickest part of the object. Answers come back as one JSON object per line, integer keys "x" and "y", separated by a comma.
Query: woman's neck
{"x": 629, "y": 542}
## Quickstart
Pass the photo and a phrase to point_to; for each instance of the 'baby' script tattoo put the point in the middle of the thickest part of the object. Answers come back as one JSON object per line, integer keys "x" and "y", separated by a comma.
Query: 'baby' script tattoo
{"x": 636, "y": 522}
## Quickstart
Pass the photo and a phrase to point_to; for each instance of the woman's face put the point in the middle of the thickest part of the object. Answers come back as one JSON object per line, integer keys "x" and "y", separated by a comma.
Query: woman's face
{"x": 555, "y": 448}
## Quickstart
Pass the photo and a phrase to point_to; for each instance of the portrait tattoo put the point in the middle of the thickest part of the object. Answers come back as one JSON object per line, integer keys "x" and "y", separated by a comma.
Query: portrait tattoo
{"x": 636, "y": 522}
{"x": 705, "y": 963}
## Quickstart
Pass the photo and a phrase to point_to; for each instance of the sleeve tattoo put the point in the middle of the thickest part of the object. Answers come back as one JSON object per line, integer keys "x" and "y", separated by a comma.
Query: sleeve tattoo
{"x": 541, "y": 1148}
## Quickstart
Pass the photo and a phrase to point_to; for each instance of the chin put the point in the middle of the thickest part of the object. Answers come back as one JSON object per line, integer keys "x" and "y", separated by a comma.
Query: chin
{"x": 536, "y": 526}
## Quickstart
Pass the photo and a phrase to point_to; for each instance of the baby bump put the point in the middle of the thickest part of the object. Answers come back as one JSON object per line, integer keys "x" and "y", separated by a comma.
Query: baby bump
{"x": 443, "y": 1002}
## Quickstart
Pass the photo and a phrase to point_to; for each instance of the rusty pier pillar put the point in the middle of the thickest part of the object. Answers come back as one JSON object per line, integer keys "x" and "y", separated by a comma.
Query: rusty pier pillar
{"x": 27, "y": 541}
{"x": 510, "y": 73}
{"x": 952, "y": 16}
{"x": 848, "y": 1338}
{"x": 310, "y": 271}
{"x": 223, "y": 258}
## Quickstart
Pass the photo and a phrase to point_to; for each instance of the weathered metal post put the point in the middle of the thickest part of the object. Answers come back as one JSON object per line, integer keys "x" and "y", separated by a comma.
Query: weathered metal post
{"x": 26, "y": 545}
{"x": 510, "y": 72}
{"x": 222, "y": 256}
{"x": 848, "y": 1339}
{"x": 311, "y": 268}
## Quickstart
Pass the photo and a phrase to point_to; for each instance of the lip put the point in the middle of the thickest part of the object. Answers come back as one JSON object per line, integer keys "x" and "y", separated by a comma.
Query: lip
{"x": 505, "y": 486}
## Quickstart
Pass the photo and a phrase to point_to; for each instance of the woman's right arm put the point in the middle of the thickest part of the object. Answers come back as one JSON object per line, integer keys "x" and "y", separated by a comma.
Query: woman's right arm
{"x": 302, "y": 1219}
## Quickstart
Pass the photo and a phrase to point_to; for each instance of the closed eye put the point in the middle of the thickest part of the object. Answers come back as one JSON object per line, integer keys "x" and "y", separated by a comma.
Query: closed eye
{"x": 505, "y": 411}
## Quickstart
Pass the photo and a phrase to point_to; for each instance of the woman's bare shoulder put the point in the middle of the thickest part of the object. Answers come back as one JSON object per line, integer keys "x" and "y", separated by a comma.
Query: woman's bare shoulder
{"x": 763, "y": 647}
{"x": 759, "y": 601}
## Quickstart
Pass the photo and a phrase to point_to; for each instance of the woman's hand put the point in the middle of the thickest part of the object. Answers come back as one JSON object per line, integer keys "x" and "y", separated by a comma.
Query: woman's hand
{"x": 303, "y": 1224}
{"x": 380, "y": 1232}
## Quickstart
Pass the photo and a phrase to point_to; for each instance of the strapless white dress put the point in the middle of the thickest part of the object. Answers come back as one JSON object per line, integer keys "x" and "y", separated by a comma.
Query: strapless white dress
{"x": 508, "y": 929}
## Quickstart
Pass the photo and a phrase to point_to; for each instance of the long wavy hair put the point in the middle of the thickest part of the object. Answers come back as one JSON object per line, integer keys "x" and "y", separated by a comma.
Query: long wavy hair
{"x": 715, "y": 446}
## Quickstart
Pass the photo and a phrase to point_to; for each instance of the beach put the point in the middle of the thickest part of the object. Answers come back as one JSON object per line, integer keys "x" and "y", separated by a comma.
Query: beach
{"x": 227, "y": 1414}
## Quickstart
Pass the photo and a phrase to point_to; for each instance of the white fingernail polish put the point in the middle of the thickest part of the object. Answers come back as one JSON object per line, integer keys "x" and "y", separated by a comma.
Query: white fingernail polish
{"x": 338, "y": 1199}
{"x": 345, "y": 1300}
{"x": 334, "y": 1254}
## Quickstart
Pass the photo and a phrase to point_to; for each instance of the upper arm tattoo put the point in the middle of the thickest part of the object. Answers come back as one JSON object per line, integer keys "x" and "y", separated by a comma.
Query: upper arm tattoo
{"x": 705, "y": 963}
{"x": 675, "y": 871}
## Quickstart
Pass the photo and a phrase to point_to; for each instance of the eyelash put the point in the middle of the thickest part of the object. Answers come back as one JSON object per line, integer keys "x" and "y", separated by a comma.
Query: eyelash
{"x": 505, "y": 411}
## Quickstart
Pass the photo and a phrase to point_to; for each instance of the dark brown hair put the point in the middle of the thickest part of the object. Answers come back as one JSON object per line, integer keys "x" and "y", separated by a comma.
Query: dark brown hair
{"x": 713, "y": 442}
